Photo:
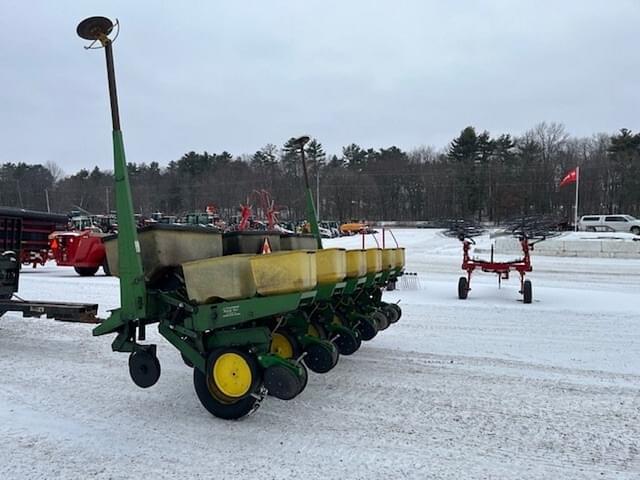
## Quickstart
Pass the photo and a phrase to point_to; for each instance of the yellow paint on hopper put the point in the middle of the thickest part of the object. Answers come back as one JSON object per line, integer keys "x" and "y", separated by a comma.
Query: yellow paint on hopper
{"x": 284, "y": 272}
{"x": 400, "y": 257}
{"x": 331, "y": 265}
{"x": 388, "y": 258}
{"x": 374, "y": 260}
{"x": 356, "y": 263}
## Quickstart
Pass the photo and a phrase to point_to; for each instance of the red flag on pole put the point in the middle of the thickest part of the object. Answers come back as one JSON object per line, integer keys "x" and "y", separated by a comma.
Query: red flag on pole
{"x": 571, "y": 177}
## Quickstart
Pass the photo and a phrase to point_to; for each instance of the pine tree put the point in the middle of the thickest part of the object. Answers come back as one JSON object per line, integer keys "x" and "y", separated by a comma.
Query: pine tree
{"x": 290, "y": 158}
{"x": 354, "y": 157}
{"x": 465, "y": 153}
{"x": 316, "y": 156}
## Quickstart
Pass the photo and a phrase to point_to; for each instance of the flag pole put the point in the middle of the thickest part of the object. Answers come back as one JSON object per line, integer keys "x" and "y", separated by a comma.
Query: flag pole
{"x": 575, "y": 215}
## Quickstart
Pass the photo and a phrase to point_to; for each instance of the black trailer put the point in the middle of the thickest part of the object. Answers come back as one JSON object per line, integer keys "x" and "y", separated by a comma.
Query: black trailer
{"x": 35, "y": 230}
{"x": 10, "y": 243}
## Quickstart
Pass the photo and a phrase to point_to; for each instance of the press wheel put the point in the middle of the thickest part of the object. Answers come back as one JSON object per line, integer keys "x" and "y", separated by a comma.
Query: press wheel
{"x": 321, "y": 357}
{"x": 285, "y": 383}
{"x": 348, "y": 342}
{"x": 397, "y": 308}
{"x": 381, "y": 319}
{"x": 367, "y": 327}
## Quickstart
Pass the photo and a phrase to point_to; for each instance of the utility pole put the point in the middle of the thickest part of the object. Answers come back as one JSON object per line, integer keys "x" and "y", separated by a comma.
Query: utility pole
{"x": 318, "y": 190}
{"x": 46, "y": 195}
{"x": 19, "y": 194}
{"x": 575, "y": 214}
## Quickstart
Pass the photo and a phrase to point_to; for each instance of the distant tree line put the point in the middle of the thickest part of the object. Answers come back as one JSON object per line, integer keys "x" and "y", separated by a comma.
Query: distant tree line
{"x": 478, "y": 176}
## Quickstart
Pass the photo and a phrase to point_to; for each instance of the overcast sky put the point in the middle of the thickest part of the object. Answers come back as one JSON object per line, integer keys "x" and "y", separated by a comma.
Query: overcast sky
{"x": 236, "y": 75}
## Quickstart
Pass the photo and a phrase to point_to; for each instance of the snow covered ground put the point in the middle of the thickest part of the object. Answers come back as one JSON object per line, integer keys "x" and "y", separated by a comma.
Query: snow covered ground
{"x": 481, "y": 388}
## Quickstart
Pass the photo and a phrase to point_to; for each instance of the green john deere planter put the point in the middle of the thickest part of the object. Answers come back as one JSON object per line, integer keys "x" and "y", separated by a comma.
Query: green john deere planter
{"x": 248, "y": 325}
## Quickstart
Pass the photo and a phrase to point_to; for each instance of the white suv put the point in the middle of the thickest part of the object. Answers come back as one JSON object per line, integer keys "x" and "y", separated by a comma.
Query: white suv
{"x": 619, "y": 223}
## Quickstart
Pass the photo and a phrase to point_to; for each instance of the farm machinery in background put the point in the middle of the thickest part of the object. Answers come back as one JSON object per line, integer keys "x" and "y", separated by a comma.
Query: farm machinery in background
{"x": 83, "y": 250}
{"x": 502, "y": 269}
{"x": 35, "y": 230}
{"x": 71, "y": 242}
{"x": 12, "y": 233}
{"x": 81, "y": 245}
{"x": 247, "y": 324}
{"x": 267, "y": 206}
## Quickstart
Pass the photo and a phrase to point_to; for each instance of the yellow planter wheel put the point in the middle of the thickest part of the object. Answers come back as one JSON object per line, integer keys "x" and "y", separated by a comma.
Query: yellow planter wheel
{"x": 312, "y": 331}
{"x": 283, "y": 345}
{"x": 316, "y": 330}
{"x": 232, "y": 375}
{"x": 230, "y": 386}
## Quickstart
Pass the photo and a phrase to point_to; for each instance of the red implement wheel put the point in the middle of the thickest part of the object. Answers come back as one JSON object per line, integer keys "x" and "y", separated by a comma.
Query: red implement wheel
{"x": 463, "y": 288}
{"x": 86, "y": 271}
{"x": 527, "y": 292}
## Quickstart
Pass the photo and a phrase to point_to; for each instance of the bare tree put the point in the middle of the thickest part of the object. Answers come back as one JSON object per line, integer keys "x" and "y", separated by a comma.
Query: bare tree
{"x": 56, "y": 171}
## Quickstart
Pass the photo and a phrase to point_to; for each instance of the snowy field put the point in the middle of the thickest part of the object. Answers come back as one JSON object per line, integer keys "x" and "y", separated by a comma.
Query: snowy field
{"x": 485, "y": 388}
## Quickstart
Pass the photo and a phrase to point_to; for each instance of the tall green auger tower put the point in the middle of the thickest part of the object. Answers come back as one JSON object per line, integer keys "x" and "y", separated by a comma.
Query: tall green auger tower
{"x": 133, "y": 292}
{"x": 311, "y": 209}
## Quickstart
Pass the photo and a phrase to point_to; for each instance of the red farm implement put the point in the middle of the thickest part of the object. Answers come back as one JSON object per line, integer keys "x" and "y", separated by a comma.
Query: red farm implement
{"x": 84, "y": 251}
{"x": 268, "y": 207}
{"x": 501, "y": 269}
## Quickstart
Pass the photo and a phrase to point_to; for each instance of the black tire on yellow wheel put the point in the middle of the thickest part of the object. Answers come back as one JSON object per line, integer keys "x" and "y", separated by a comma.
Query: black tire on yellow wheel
{"x": 228, "y": 389}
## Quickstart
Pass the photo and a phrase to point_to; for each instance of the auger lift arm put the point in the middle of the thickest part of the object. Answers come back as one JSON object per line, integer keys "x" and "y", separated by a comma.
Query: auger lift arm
{"x": 133, "y": 292}
{"x": 311, "y": 209}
